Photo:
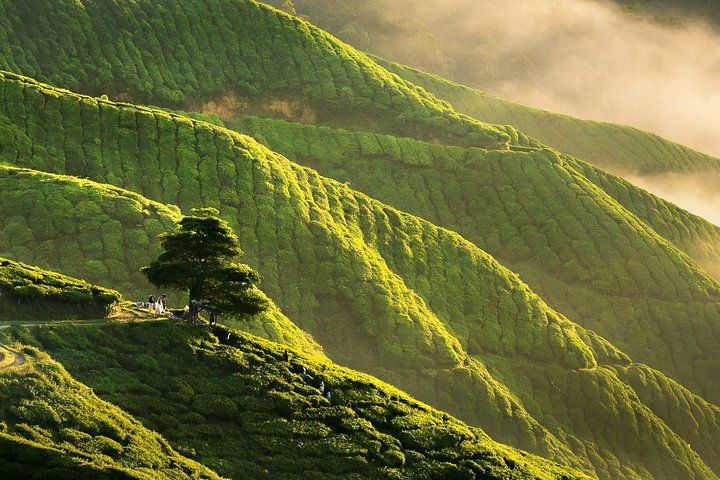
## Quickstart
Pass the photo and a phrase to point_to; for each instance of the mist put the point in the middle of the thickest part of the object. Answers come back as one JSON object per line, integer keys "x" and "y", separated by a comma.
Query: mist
{"x": 693, "y": 192}
{"x": 586, "y": 58}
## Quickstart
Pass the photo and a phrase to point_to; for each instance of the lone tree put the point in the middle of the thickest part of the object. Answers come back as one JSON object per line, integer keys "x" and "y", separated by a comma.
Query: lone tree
{"x": 201, "y": 258}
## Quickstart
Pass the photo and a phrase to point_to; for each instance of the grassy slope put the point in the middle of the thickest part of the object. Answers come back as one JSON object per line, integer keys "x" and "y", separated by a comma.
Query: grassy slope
{"x": 28, "y": 293}
{"x": 613, "y": 147}
{"x": 237, "y": 56}
{"x": 52, "y": 426}
{"x": 85, "y": 229}
{"x": 389, "y": 293}
{"x": 94, "y": 231}
{"x": 538, "y": 213}
{"x": 239, "y": 408}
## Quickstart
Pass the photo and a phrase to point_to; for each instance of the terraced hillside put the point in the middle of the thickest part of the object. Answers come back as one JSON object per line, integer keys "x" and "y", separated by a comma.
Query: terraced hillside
{"x": 392, "y": 294}
{"x": 93, "y": 231}
{"x": 382, "y": 290}
{"x": 52, "y": 426}
{"x": 539, "y": 214}
{"x": 239, "y": 408}
{"x": 616, "y": 148}
{"x": 27, "y": 292}
{"x": 232, "y": 57}
{"x": 89, "y": 230}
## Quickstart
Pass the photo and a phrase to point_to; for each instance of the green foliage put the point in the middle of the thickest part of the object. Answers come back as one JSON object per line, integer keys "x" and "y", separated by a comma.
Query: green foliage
{"x": 256, "y": 59}
{"x": 55, "y": 427}
{"x": 200, "y": 258}
{"x": 91, "y": 231}
{"x": 613, "y": 147}
{"x": 247, "y": 413}
{"x": 543, "y": 214}
{"x": 389, "y": 293}
{"x": 29, "y": 293}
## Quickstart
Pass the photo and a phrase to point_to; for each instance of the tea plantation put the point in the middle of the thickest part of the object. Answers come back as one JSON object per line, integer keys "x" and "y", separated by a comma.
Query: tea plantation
{"x": 578, "y": 247}
{"x": 29, "y": 293}
{"x": 613, "y": 147}
{"x": 234, "y": 405}
{"x": 378, "y": 217}
{"x": 52, "y": 426}
{"x": 231, "y": 56}
{"x": 389, "y": 293}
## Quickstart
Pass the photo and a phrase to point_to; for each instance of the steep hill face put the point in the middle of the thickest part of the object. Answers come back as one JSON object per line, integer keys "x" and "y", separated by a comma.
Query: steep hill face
{"x": 80, "y": 227}
{"x": 615, "y": 148}
{"x": 244, "y": 411}
{"x": 392, "y": 294}
{"x": 232, "y": 57}
{"x": 28, "y": 292}
{"x": 536, "y": 212}
{"x": 95, "y": 231}
{"x": 52, "y": 426}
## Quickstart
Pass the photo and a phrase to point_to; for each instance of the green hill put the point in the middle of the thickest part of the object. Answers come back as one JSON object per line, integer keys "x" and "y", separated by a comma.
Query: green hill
{"x": 254, "y": 59}
{"x": 237, "y": 407}
{"x": 536, "y": 212}
{"x": 53, "y": 427}
{"x": 28, "y": 293}
{"x": 93, "y": 231}
{"x": 617, "y": 148}
{"x": 394, "y": 295}
{"x": 85, "y": 229}
{"x": 383, "y": 291}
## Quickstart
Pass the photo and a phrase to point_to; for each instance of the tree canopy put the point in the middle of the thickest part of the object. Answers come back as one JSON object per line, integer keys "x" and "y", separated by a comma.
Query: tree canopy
{"x": 201, "y": 258}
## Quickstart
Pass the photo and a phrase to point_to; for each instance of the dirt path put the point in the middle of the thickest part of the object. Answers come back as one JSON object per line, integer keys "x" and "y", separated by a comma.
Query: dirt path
{"x": 101, "y": 321}
{"x": 10, "y": 359}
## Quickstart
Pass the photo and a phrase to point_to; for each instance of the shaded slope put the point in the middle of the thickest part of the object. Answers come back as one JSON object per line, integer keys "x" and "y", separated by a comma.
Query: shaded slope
{"x": 387, "y": 292}
{"x": 613, "y": 147}
{"x": 55, "y": 427}
{"x": 535, "y": 211}
{"x": 237, "y": 56}
{"x": 94, "y": 231}
{"x": 29, "y": 293}
{"x": 248, "y": 414}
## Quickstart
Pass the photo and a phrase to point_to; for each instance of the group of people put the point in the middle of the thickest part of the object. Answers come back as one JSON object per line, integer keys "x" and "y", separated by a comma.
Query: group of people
{"x": 156, "y": 306}
{"x": 303, "y": 374}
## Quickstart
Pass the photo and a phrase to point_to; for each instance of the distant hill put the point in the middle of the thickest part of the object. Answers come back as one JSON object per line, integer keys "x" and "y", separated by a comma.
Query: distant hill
{"x": 617, "y": 148}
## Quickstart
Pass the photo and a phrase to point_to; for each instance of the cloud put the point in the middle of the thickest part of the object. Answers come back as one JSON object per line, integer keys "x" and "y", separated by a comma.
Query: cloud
{"x": 586, "y": 58}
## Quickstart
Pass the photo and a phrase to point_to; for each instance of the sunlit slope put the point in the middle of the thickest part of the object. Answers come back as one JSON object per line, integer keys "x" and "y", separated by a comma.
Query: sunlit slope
{"x": 247, "y": 413}
{"x": 79, "y": 227}
{"x": 616, "y": 148}
{"x": 30, "y": 293}
{"x": 692, "y": 234}
{"x": 579, "y": 248}
{"x": 386, "y": 292}
{"x": 94, "y": 231}
{"x": 52, "y": 426}
{"x": 229, "y": 57}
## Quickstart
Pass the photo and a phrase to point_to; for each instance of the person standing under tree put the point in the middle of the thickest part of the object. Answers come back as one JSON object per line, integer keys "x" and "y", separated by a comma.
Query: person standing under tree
{"x": 160, "y": 305}
{"x": 150, "y": 304}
